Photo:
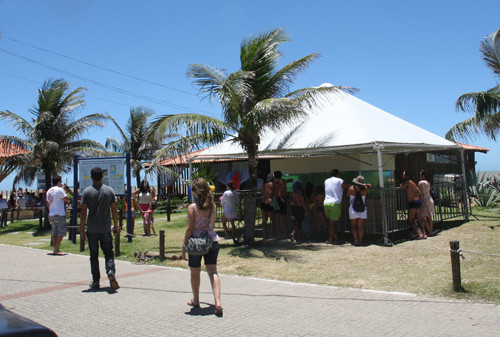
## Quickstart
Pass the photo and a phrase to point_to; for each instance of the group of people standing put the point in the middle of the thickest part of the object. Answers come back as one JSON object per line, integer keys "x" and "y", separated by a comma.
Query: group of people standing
{"x": 356, "y": 192}
{"x": 420, "y": 204}
{"x": 274, "y": 206}
{"x": 322, "y": 204}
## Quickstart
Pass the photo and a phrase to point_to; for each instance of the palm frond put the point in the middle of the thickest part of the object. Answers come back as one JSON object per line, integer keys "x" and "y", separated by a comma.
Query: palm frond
{"x": 470, "y": 128}
{"x": 207, "y": 78}
{"x": 191, "y": 124}
{"x": 20, "y": 124}
{"x": 480, "y": 103}
{"x": 490, "y": 49}
{"x": 280, "y": 82}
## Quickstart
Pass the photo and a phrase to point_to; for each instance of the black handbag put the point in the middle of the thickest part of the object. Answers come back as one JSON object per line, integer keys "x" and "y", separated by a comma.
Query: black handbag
{"x": 199, "y": 246}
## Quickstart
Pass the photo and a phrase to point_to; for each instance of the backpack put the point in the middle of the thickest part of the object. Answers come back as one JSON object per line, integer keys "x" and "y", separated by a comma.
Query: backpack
{"x": 357, "y": 204}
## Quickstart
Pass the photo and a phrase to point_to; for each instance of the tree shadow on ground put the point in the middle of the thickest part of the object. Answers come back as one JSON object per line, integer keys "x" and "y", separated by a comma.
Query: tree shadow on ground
{"x": 19, "y": 227}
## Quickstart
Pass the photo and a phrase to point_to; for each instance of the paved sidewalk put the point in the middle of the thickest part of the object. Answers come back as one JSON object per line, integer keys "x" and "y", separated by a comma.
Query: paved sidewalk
{"x": 52, "y": 290}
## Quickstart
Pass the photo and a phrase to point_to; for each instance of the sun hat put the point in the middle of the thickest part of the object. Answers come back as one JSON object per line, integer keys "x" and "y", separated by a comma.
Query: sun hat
{"x": 359, "y": 180}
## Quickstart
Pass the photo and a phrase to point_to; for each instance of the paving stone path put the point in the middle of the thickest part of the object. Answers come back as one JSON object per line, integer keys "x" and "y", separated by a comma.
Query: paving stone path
{"x": 151, "y": 301}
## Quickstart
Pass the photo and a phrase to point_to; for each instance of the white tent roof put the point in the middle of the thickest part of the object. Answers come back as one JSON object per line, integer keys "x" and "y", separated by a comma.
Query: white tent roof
{"x": 341, "y": 123}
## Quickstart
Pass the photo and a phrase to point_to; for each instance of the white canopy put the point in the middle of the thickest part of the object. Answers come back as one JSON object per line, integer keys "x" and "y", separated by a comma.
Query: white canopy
{"x": 340, "y": 123}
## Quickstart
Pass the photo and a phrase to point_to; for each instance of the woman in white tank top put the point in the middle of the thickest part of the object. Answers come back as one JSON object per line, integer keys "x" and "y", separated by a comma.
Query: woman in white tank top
{"x": 145, "y": 197}
{"x": 358, "y": 218}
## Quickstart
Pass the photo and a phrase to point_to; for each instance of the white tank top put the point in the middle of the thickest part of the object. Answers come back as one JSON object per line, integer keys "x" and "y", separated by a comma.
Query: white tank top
{"x": 145, "y": 198}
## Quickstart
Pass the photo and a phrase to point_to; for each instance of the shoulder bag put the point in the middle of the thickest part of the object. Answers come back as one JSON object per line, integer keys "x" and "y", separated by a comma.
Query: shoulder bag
{"x": 202, "y": 245}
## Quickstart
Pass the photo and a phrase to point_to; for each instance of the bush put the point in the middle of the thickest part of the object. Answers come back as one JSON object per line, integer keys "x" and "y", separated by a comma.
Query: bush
{"x": 485, "y": 192}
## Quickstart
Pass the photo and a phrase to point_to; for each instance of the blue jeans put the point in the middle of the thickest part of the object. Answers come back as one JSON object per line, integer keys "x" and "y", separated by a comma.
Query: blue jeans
{"x": 106, "y": 242}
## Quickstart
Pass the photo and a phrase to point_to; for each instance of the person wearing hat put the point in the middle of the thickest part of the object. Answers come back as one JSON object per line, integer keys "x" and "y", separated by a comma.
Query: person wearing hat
{"x": 267, "y": 195}
{"x": 358, "y": 217}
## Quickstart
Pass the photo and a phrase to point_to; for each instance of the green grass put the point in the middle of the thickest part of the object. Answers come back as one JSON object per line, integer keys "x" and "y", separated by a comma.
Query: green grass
{"x": 421, "y": 267}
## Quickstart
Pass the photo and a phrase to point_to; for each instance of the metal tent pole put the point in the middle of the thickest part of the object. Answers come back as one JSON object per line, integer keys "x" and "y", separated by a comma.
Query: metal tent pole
{"x": 464, "y": 185}
{"x": 382, "y": 192}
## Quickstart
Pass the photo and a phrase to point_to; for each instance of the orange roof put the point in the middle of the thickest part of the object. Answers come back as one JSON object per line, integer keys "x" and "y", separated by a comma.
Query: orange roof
{"x": 8, "y": 149}
{"x": 179, "y": 160}
{"x": 472, "y": 147}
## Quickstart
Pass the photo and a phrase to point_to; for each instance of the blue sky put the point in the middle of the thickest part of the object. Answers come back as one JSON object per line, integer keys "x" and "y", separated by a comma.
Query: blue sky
{"x": 411, "y": 59}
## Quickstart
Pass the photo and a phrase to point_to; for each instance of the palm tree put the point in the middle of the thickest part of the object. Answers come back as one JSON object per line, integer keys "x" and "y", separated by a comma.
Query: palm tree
{"x": 485, "y": 105}
{"x": 138, "y": 139}
{"x": 253, "y": 99}
{"x": 52, "y": 137}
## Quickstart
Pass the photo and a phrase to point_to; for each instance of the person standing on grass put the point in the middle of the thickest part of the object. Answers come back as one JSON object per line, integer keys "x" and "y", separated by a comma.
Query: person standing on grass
{"x": 334, "y": 192}
{"x": 319, "y": 209}
{"x": 414, "y": 204}
{"x": 56, "y": 202}
{"x": 279, "y": 192}
{"x": 229, "y": 202}
{"x": 358, "y": 218}
{"x": 145, "y": 197}
{"x": 265, "y": 205}
{"x": 427, "y": 203}
{"x": 98, "y": 199}
{"x": 201, "y": 220}
{"x": 299, "y": 210}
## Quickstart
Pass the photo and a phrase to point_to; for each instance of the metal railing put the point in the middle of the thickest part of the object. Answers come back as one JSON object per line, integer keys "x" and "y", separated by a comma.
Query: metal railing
{"x": 448, "y": 203}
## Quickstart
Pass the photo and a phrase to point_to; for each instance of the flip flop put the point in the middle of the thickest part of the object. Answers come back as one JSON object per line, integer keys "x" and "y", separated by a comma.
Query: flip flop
{"x": 218, "y": 311}
{"x": 191, "y": 303}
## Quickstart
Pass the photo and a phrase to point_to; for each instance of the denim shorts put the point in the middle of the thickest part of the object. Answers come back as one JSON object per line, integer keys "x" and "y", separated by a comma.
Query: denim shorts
{"x": 210, "y": 257}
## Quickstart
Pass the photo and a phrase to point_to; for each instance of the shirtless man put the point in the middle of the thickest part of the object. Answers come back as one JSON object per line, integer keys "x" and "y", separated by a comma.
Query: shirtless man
{"x": 414, "y": 203}
{"x": 265, "y": 205}
{"x": 279, "y": 191}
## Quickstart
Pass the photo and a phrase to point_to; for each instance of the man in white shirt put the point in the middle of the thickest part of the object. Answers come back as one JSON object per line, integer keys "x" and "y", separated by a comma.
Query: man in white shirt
{"x": 334, "y": 191}
{"x": 56, "y": 202}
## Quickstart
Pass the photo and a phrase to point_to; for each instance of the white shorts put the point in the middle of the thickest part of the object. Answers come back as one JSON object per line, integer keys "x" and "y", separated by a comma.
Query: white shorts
{"x": 355, "y": 215}
{"x": 230, "y": 213}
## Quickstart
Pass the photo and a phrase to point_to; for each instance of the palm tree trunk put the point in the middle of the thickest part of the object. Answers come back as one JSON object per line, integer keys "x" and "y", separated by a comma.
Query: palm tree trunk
{"x": 251, "y": 203}
{"x": 138, "y": 180}
{"x": 48, "y": 185}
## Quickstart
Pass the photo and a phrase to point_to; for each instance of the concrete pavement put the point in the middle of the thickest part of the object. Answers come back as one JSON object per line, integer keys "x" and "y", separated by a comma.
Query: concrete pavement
{"x": 151, "y": 301}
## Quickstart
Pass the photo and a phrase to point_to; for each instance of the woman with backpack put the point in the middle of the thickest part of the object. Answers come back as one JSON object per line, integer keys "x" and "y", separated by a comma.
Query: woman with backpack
{"x": 357, "y": 208}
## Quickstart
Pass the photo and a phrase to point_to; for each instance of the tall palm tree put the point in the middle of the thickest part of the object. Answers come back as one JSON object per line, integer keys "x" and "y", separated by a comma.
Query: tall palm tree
{"x": 138, "y": 139}
{"x": 52, "y": 137}
{"x": 485, "y": 105}
{"x": 253, "y": 99}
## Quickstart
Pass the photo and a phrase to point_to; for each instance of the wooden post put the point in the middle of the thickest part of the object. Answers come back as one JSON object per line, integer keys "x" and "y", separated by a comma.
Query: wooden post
{"x": 4, "y": 217}
{"x": 82, "y": 244}
{"x": 40, "y": 219}
{"x": 455, "y": 264}
{"x": 120, "y": 218}
{"x": 169, "y": 209}
{"x": 162, "y": 244}
{"x": 117, "y": 244}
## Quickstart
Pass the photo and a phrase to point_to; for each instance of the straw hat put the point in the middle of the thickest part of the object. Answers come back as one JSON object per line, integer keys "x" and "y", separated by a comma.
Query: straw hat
{"x": 359, "y": 180}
